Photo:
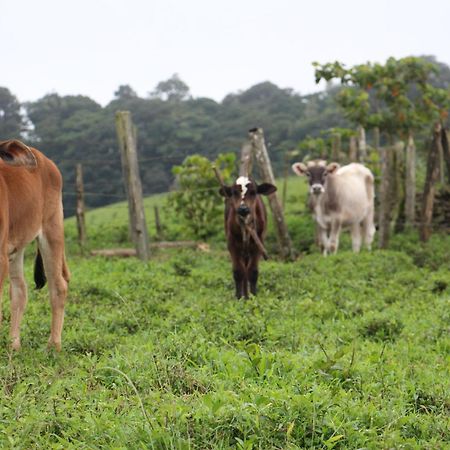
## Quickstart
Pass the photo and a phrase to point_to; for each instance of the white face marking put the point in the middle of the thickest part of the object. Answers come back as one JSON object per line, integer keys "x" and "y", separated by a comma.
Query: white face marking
{"x": 243, "y": 181}
{"x": 316, "y": 189}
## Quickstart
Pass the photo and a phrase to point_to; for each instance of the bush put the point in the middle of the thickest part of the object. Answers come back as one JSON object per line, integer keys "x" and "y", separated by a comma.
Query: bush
{"x": 197, "y": 201}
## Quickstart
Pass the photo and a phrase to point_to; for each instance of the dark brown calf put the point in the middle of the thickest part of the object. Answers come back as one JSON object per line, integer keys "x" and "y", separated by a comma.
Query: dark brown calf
{"x": 244, "y": 211}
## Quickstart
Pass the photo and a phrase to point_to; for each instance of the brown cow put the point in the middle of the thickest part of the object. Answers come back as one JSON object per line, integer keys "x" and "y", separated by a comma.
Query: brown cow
{"x": 245, "y": 208}
{"x": 31, "y": 207}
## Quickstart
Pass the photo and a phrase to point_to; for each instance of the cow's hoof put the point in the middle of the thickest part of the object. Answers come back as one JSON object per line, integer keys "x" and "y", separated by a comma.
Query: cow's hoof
{"x": 15, "y": 344}
{"x": 54, "y": 345}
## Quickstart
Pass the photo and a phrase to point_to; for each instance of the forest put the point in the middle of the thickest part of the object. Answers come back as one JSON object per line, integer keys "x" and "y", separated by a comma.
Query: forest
{"x": 171, "y": 125}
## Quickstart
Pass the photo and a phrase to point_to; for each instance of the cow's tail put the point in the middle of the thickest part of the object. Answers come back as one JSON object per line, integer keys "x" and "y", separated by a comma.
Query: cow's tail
{"x": 39, "y": 273}
{"x": 40, "y": 278}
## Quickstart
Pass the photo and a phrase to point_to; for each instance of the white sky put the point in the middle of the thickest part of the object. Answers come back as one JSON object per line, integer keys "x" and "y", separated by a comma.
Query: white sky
{"x": 90, "y": 47}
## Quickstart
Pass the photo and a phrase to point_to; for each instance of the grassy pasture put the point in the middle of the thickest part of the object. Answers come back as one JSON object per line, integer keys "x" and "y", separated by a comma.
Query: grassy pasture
{"x": 349, "y": 351}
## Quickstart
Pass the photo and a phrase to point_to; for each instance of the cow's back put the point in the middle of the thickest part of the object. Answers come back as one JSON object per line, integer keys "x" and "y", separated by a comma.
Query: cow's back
{"x": 31, "y": 195}
{"x": 353, "y": 191}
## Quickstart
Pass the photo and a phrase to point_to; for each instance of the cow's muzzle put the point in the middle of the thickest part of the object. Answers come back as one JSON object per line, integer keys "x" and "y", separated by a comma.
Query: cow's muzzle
{"x": 243, "y": 211}
{"x": 317, "y": 189}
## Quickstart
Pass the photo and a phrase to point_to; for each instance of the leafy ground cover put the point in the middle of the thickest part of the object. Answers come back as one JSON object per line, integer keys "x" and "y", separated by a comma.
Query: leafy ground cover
{"x": 349, "y": 351}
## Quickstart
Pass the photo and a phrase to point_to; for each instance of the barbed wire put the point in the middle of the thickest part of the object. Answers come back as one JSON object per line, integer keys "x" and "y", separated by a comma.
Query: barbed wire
{"x": 168, "y": 158}
{"x": 123, "y": 199}
{"x": 116, "y": 160}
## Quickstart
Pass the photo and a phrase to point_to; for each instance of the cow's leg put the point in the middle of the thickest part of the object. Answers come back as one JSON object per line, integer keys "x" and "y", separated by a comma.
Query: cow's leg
{"x": 246, "y": 277}
{"x": 253, "y": 273}
{"x": 239, "y": 269}
{"x": 51, "y": 246}
{"x": 18, "y": 294}
{"x": 4, "y": 263}
{"x": 239, "y": 280}
{"x": 323, "y": 239}
{"x": 368, "y": 229}
{"x": 317, "y": 239}
{"x": 356, "y": 237}
{"x": 334, "y": 236}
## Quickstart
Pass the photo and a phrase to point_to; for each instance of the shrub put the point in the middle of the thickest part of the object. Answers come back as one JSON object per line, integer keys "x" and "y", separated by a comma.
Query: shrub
{"x": 197, "y": 201}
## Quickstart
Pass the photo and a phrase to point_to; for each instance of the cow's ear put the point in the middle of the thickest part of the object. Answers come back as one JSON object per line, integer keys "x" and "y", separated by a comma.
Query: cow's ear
{"x": 299, "y": 168}
{"x": 332, "y": 167}
{"x": 16, "y": 153}
{"x": 225, "y": 191}
{"x": 266, "y": 189}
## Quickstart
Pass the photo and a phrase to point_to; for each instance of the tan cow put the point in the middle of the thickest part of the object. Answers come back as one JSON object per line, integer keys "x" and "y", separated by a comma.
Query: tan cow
{"x": 340, "y": 197}
{"x": 31, "y": 207}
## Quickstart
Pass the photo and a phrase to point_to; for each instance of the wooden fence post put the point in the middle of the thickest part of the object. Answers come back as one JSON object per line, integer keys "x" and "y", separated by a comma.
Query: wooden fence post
{"x": 245, "y": 166}
{"x": 384, "y": 221}
{"x": 285, "y": 179}
{"x": 256, "y": 137}
{"x": 376, "y": 138}
{"x": 410, "y": 182}
{"x": 353, "y": 149}
{"x": 336, "y": 147}
{"x": 446, "y": 150}
{"x": 159, "y": 232}
{"x": 362, "y": 145}
{"x": 430, "y": 181}
{"x": 81, "y": 223}
{"x": 126, "y": 135}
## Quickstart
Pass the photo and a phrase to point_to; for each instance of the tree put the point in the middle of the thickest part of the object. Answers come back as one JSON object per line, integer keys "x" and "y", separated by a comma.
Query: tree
{"x": 197, "y": 200}
{"x": 172, "y": 89}
{"x": 11, "y": 120}
{"x": 125, "y": 92}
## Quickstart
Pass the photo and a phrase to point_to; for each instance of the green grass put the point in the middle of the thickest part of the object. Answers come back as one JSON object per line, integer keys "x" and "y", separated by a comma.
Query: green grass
{"x": 345, "y": 352}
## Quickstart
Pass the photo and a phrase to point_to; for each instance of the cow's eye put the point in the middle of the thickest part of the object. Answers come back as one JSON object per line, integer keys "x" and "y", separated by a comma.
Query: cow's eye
{"x": 236, "y": 194}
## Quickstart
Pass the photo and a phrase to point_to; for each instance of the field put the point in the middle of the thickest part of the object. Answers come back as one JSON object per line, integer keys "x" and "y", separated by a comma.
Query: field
{"x": 345, "y": 352}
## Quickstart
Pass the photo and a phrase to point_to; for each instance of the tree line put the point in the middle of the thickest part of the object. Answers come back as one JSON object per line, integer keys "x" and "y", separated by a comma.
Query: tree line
{"x": 172, "y": 125}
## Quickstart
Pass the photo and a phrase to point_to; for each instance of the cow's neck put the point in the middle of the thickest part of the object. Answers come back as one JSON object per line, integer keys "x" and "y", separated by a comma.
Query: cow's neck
{"x": 323, "y": 204}
{"x": 330, "y": 202}
{"x": 244, "y": 232}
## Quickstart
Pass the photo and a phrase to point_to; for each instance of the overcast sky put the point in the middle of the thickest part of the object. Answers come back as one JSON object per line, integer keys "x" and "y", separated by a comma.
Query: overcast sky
{"x": 91, "y": 47}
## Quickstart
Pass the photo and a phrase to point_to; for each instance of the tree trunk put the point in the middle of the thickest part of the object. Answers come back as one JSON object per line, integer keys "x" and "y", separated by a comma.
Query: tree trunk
{"x": 430, "y": 181}
{"x": 410, "y": 183}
